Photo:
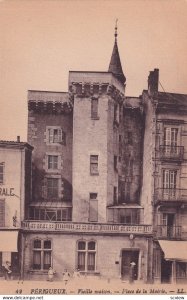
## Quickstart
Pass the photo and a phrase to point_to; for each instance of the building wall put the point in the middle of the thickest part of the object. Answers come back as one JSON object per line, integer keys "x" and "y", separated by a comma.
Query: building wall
{"x": 13, "y": 189}
{"x": 89, "y": 138}
{"x": 148, "y": 162}
{"x": 132, "y": 154}
{"x": 178, "y": 121}
{"x": 37, "y": 137}
{"x": 108, "y": 254}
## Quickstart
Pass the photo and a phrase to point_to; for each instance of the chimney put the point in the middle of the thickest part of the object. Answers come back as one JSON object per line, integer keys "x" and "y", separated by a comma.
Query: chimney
{"x": 18, "y": 139}
{"x": 153, "y": 80}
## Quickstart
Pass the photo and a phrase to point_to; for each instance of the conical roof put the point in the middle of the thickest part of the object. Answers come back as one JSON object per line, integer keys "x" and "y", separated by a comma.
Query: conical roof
{"x": 115, "y": 62}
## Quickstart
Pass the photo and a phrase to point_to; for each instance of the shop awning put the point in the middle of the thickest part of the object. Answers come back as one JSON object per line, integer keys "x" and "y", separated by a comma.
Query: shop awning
{"x": 174, "y": 250}
{"x": 9, "y": 241}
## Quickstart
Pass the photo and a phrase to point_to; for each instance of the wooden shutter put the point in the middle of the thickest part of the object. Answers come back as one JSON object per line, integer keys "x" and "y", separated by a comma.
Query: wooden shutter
{"x": 63, "y": 138}
{"x": 93, "y": 211}
{"x": 166, "y": 179}
{"x": 173, "y": 176}
{"x": 174, "y": 132}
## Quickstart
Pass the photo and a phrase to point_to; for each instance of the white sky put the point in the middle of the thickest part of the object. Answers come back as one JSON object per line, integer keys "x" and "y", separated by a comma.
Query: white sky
{"x": 40, "y": 41}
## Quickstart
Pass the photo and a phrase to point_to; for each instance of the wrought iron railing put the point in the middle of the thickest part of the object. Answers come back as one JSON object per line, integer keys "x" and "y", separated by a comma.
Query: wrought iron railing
{"x": 168, "y": 232}
{"x": 171, "y": 152}
{"x": 163, "y": 194}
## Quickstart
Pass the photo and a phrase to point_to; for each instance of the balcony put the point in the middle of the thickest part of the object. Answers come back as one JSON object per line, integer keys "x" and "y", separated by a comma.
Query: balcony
{"x": 173, "y": 195}
{"x": 172, "y": 153}
{"x": 73, "y": 227}
{"x": 168, "y": 232}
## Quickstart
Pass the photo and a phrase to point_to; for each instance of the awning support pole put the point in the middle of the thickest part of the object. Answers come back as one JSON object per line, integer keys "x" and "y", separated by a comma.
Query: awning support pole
{"x": 174, "y": 280}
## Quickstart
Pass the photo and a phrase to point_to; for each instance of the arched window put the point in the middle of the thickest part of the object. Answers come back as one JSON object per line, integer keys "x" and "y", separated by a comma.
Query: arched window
{"x": 42, "y": 254}
{"x": 86, "y": 260}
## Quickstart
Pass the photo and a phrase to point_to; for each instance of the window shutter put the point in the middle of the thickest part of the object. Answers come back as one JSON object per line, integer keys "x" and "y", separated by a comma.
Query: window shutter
{"x": 50, "y": 135}
{"x": 59, "y": 135}
{"x": 93, "y": 211}
{"x": 63, "y": 138}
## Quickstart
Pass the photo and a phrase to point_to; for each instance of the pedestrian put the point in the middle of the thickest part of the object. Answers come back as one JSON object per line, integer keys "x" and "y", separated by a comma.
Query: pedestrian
{"x": 76, "y": 274}
{"x": 66, "y": 276}
{"x": 51, "y": 273}
{"x": 8, "y": 270}
{"x": 131, "y": 272}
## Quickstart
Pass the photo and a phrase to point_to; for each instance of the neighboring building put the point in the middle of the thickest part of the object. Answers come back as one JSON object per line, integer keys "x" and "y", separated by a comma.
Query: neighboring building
{"x": 165, "y": 179}
{"x": 15, "y": 189}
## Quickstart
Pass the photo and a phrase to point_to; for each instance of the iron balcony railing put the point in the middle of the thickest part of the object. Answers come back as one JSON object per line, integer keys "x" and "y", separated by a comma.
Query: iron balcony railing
{"x": 168, "y": 232}
{"x": 86, "y": 227}
{"x": 171, "y": 152}
{"x": 163, "y": 194}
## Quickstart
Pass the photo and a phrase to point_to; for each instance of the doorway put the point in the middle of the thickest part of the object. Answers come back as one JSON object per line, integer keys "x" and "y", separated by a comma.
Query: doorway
{"x": 166, "y": 271}
{"x": 15, "y": 262}
{"x": 129, "y": 256}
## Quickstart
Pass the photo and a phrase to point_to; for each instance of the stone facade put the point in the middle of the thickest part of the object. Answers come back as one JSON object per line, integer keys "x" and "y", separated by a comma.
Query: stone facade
{"x": 15, "y": 192}
{"x": 109, "y": 176}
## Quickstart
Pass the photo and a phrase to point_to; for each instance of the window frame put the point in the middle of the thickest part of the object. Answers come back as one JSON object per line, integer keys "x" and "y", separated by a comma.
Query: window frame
{"x": 55, "y": 139}
{"x": 52, "y": 196}
{"x": 54, "y": 165}
{"x": 86, "y": 252}
{"x": 61, "y": 214}
{"x": 42, "y": 250}
{"x": 94, "y": 108}
{"x": 133, "y": 213}
{"x": 94, "y": 164}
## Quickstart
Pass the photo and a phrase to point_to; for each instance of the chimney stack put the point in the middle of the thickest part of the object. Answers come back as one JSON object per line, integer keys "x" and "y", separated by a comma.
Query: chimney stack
{"x": 153, "y": 81}
{"x": 18, "y": 139}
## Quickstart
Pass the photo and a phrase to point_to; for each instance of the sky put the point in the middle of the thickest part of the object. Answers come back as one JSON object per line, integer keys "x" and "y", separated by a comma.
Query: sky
{"x": 42, "y": 40}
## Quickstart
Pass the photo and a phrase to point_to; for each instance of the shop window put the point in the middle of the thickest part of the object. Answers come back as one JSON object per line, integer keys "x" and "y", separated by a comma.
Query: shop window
{"x": 42, "y": 254}
{"x": 181, "y": 270}
{"x": 86, "y": 252}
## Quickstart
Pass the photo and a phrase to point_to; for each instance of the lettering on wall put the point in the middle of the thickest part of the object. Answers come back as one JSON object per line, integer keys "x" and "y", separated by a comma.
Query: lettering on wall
{"x": 6, "y": 191}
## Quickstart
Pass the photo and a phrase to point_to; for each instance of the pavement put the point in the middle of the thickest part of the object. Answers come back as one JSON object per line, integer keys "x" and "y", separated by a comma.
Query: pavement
{"x": 87, "y": 286}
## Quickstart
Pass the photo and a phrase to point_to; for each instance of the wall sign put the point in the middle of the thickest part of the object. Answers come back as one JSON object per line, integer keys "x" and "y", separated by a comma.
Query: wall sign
{"x": 6, "y": 191}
